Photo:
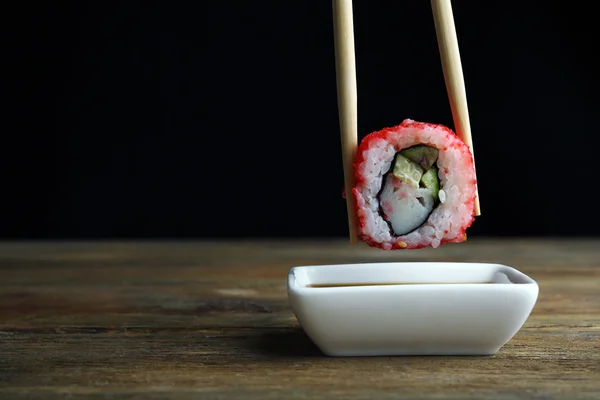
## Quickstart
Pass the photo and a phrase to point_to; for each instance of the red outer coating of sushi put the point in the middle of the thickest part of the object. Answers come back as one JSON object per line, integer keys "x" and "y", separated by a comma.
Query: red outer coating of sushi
{"x": 450, "y": 139}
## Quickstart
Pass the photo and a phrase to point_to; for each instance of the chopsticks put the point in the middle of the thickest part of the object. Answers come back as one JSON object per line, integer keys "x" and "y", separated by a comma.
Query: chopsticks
{"x": 347, "y": 99}
{"x": 345, "y": 65}
{"x": 453, "y": 75}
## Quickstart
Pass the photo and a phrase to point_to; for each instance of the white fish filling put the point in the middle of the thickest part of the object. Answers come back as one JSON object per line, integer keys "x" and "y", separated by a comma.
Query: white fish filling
{"x": 405, "y": 206}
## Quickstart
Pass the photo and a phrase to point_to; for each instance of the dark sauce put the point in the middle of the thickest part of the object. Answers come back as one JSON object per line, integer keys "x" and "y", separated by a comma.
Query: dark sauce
{"x": 331, "y": 285}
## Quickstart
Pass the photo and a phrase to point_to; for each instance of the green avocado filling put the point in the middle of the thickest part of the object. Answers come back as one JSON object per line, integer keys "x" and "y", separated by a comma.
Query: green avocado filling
{"x": 407, "y": 170}
{"x": 416, "y": 165}
{"x": 430, "y": 181}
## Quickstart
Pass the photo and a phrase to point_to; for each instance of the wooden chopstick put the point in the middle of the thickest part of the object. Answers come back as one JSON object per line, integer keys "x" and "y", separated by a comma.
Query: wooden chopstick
{"x": 347, "y": 102}
{"x": 453, "y": 75}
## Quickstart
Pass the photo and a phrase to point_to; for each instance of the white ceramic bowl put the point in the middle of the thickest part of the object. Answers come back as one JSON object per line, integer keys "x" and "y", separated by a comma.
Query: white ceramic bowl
{"x": 411, "y": 308}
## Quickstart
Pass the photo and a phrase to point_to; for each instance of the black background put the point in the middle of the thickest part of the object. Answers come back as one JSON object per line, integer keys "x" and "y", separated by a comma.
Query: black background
{"x": 219, "y": 119}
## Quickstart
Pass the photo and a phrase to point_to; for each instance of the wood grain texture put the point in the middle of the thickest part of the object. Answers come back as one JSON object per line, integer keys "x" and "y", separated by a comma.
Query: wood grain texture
{"x": 210, "y": 320}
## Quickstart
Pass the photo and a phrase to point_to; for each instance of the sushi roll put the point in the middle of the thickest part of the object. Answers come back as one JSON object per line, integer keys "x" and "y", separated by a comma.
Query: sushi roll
{"x": 415, "y": 187}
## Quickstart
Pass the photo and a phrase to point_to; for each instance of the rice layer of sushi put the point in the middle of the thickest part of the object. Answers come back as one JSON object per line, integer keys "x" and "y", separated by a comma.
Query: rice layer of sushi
{"x": 415, "y": 187}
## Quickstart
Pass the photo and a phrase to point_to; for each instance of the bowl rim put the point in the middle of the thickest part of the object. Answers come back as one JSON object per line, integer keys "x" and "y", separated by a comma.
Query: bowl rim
{"x": 297, "y": 276}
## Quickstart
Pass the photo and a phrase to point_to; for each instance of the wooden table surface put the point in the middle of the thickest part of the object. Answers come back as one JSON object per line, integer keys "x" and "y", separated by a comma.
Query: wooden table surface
{"x": 210, "y": 320}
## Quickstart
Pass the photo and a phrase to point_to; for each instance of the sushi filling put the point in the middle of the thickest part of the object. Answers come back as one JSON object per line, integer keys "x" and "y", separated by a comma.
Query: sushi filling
{"x": 410, "y": 189}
